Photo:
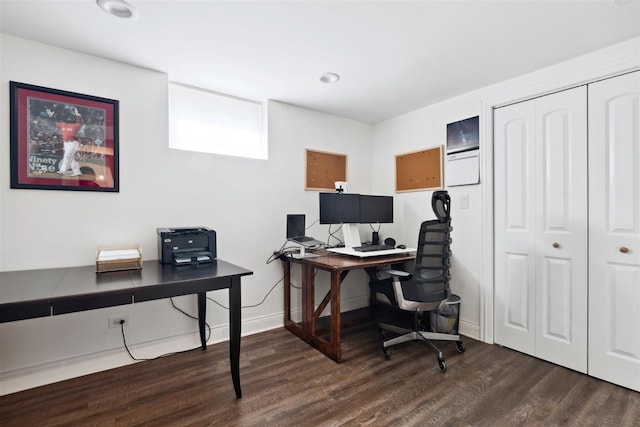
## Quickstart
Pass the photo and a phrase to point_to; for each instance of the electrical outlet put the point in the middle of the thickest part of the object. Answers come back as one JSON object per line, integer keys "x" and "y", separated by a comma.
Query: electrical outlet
{"x": 114, "y": 322}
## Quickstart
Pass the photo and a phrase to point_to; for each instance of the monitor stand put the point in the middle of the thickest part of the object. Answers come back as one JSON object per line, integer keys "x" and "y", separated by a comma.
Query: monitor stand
{"x": 303, "y": 254}
{"x": 351, "y": 235}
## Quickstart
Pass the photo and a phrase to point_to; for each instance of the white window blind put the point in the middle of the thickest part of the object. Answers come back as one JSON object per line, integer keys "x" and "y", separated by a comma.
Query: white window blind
{"x": 209, "y": 122}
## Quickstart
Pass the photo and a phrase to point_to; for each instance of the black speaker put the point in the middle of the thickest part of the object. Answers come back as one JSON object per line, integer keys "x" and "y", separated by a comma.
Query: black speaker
{"x": 390, "y": 241}
{"x": 375, "y": 238}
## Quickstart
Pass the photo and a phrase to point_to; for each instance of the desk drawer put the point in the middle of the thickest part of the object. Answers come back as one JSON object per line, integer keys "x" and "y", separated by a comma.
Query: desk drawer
{"x": 24, "y": 310}
{"x": 90, "y": 302}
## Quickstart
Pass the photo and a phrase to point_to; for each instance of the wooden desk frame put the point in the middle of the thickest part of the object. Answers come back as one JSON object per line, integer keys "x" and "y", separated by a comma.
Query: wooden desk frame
{"x": 48, "y": 292}
{"x": 338, "y": 266}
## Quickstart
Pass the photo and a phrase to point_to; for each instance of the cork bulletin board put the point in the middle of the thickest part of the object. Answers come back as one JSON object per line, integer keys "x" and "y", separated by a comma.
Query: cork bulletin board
{"x": 324, "y": 169}
{"x": 420, "y": 170}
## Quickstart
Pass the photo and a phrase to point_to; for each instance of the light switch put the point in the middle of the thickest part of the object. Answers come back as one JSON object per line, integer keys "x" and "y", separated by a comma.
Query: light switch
{"x": 464, "y": 201}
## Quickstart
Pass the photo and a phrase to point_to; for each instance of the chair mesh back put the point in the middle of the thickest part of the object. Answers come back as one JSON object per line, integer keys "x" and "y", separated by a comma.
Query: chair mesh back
{"x": 430, "y": 280}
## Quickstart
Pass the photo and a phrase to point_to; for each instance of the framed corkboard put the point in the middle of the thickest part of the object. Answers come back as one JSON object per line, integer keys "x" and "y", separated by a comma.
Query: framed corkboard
{"x": 420, "y": 170}
{"x": 324, "y": 169}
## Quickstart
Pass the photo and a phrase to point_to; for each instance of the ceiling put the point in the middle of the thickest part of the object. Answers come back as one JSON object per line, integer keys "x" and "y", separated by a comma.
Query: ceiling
{"x": 392, "y": 56}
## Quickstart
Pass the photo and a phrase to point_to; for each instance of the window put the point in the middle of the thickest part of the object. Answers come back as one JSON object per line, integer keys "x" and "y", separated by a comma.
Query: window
{"x": 209, "y": 122}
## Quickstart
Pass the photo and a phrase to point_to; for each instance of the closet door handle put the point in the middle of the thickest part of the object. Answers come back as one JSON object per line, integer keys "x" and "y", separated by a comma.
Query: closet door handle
{"x": 624, "y": 249}
{"x": 556, "y": 245}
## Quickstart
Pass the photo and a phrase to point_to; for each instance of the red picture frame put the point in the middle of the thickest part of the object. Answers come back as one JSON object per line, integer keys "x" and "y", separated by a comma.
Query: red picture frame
{"x": 62, "y": 140}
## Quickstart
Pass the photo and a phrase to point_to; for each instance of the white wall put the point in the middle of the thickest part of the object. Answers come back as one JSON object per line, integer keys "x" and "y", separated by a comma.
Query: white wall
{"x": 244, "y": 200}
{"x": 472, "y": 228}
{"x": 416, "y": 131}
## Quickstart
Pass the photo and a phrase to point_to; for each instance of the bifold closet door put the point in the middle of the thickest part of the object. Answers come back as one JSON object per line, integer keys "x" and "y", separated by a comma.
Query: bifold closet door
{"x": 540, "y": 167}
{"x": 515, "y": 230}
{"x": 614, "y": 230}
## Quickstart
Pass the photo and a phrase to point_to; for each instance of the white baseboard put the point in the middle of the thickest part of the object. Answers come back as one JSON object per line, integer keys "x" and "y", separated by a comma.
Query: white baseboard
{"x": 60, "y": 370}
{"x": 64, "y": 369}
{"x": 468, "y": 329}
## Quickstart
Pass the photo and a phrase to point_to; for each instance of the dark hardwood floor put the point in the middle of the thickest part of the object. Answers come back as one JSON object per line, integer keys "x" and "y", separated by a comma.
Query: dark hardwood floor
{"x": 287, "y": 383}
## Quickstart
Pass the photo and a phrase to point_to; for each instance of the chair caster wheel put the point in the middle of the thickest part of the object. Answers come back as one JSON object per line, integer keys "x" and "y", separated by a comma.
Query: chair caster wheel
{"x": 385, "y": 354}
{"x": 460, "y": 347}
{"x": 443, "y": 366}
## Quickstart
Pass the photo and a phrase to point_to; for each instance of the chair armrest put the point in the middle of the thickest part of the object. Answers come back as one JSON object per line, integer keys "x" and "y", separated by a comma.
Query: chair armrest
{"x": 397, "y": 273}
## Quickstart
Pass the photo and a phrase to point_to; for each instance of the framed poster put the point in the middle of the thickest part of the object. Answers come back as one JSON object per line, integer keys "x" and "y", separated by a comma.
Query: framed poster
{"x": 62, "y": 140}
{"x": 463, "y": 135}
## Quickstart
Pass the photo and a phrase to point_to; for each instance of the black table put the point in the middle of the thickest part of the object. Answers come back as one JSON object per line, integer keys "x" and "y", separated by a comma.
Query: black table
{"x": 29, "y": 294}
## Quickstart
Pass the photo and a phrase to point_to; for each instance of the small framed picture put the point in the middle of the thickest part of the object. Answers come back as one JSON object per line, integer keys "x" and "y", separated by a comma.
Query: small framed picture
{"x": 62, "y": 140}
{"x": 463, "y": 135}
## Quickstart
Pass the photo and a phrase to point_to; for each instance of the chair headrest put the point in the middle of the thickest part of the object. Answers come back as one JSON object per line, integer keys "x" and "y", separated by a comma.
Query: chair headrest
{"x": 441, "y": 205}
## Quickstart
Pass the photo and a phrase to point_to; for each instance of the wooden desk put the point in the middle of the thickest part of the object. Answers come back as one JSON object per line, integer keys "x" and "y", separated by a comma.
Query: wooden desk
{"x": 339, "y": 266}
{"x": 48, "y": 292}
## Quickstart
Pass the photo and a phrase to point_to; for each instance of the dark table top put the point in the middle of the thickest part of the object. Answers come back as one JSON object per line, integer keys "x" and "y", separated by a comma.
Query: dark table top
{"x": 59, "y": 283}
{"x": 333, "y": 261}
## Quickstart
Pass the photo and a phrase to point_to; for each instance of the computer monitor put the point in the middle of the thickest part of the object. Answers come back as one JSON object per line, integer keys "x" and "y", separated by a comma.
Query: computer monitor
{"x": 295, "y": 225}
{"x": 339, "y": 208}
{"x": 376, "y": 209}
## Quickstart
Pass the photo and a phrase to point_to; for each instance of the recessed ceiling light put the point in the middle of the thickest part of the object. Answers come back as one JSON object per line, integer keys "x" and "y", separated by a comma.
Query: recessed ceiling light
{"x": 118, "y": 8}
{"x": 329, "y": 78}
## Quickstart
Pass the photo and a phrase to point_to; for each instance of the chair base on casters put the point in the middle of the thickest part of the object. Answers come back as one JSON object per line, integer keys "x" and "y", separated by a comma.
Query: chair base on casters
{"x": 416, "y": 334}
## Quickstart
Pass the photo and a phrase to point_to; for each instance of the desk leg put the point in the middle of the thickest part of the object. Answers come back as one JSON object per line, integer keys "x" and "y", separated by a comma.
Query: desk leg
{"x": 336, "y": 280}
{"x": 331, "y": 346}
{"x": 297, "y": 328}
{"x": 235, "y": 320}
{"x": 202, "y": 318}
{"x": 286, "y": 266}
{"x": 308, "y": 301}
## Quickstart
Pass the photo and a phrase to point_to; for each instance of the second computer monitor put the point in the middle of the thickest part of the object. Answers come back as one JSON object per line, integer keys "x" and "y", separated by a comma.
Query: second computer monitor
{"x": 376, "y": 209}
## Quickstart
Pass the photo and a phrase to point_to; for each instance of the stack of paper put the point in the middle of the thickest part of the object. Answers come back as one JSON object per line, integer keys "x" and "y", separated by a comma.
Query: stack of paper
{"x": 110, "y": 255}
{"x": 118, "y": 257}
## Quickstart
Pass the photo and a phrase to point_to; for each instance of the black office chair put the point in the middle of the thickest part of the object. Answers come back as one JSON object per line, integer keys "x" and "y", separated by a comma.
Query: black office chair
{"x": 427, "y": 289}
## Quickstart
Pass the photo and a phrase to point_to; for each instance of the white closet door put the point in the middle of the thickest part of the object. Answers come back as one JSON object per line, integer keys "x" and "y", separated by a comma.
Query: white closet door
{"x": 614, "y": 230}
{"x": 561, "y": 228}
{"x": 540, "y": 168}
{"x": 514, "y": 193}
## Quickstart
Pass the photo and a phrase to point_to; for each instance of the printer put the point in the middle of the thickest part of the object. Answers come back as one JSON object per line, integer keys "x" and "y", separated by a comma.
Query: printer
{"x": 186, "y": 245}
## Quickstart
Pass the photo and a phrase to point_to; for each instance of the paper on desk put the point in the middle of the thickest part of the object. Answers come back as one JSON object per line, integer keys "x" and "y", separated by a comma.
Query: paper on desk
{"x": 117, "y": 254}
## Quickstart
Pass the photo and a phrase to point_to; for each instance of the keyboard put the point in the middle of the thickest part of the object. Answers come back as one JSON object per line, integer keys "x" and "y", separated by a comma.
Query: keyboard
{"x": 372, "y": 248}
